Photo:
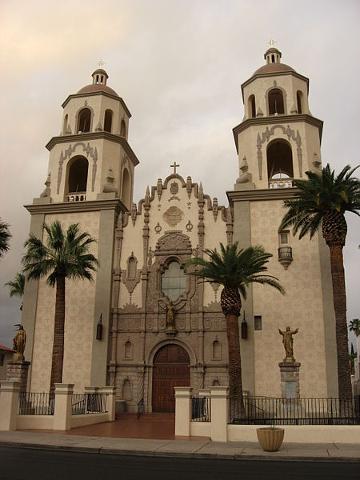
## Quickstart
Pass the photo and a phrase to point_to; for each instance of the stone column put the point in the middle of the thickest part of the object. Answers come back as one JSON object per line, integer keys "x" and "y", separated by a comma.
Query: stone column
{"x": 62, "y": 413}
{"x": 110, "y": 400}
{"x": 289, "y": 375}
{"x": 9, "y": 401}
{"x": 182, "y": 411}
{"x": 18, "y": 372}
{"x": 219, "y": 413}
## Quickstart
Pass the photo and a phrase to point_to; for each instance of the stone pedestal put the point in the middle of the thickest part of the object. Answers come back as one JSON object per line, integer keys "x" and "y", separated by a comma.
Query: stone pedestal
{"x": 18, "y": 372}
{"x": 289, "y": 374}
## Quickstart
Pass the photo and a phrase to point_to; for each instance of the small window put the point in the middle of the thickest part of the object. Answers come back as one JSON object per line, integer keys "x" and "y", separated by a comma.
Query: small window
{"x": 128, "y": 350}
{"x": 173, "y": 281}
{"x": 2, "y": 359}
{"x": 257, "y": 322}
{"x": 132, "y": 264}
{"x": 216, "y": 350}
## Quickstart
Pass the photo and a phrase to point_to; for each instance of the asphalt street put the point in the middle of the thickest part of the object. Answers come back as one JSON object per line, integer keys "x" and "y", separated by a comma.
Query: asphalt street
{"x": 28, "y": 463}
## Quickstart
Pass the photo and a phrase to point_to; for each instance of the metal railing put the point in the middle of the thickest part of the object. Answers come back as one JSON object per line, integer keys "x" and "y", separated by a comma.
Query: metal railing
{"x": 31, "y": 403}
{"x": 200, "y": 409}
{"x": 294, "y": 411}
{"x": 87, "y": 403}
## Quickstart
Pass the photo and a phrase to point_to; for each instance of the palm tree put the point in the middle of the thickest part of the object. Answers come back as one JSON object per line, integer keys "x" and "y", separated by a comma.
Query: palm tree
{"x": 322, "y": 202}
{"x": 235, "y": 269}
{"x": 63, "y": 255}
{"x": 355, "y": 326}
{"x": 17, "y": 286}
{"x": 5, "y": 236}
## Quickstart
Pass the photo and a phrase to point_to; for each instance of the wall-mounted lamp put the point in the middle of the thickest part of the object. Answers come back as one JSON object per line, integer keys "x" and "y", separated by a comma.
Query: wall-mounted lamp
{"x": 99, "y": 329}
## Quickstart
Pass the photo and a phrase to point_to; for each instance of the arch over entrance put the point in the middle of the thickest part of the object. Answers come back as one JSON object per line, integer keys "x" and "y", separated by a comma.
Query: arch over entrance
{"x": 171, "y": 369}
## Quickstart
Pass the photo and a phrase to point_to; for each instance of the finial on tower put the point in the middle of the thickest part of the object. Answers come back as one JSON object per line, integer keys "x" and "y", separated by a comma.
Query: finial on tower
{"x": 272, "y": 54}
{"x": 100, "y": 76}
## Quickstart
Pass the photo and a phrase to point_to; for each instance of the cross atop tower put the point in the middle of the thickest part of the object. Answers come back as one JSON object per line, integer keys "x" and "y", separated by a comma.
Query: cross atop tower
{"x": 174, "y": 166}
{"x": 272, "y": 43}
{"x": 101, "y": 63}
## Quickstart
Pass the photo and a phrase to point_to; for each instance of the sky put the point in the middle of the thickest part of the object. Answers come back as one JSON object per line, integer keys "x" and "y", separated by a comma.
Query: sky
{"x": 179, "y": 66}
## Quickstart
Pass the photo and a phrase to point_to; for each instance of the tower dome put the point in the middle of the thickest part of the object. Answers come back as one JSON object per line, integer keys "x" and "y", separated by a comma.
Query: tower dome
{"x": 273, "y": 63}
{"x": 100, "y": 78}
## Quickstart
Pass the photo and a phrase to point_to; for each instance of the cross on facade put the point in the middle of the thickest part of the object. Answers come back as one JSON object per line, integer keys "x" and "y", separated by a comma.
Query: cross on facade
{"x": 174, "y": 166}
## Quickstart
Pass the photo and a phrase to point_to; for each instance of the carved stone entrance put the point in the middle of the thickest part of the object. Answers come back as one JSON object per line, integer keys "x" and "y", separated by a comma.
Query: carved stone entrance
{"x": 171, "y": 369}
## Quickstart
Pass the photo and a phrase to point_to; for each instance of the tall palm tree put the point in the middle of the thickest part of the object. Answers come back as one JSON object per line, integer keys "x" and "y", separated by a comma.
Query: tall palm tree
{"x": 235, "y": 269}
{"x": 63, "y": 255}
{"x": 5, "y": 236}
{"x": 17, "y": 286}
{"x": 355, "y": 326}
{"x": 322, "y": 202}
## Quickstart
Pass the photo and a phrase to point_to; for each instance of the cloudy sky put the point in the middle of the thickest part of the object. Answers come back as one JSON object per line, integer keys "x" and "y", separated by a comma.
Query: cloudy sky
{"x": 179, "y": 65}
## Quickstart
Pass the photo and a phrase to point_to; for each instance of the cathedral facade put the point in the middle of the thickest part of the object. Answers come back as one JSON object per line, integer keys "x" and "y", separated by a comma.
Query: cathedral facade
{"x": 145, "y": 324}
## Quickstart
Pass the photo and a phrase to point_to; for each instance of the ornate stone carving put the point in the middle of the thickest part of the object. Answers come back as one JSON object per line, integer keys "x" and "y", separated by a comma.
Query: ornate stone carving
{"x": 159, "y": 188}
{"x": 131, "y": 276}
{"x": 288, "y": 343}
{"x": 110, "y": 182}
{"x": 189, "y": 226}
{"x": 245, "y": 176}
{"x": 188, "y": 186}
{"x": 47, "y": 191}
{"x": 268, "y": 133}
{"x": 174, "y": 188}
{"x": 215, "y": 208}
{"x": 173, "y": 242}
{"x": 173, "y": 216}
{"x": 68, "y": 152}
{"x": 213, "y": 307}
{"x": 158, "y": 228}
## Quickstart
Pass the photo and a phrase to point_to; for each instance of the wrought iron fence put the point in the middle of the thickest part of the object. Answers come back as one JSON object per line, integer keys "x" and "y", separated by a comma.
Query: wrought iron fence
{"x": 31, "y": 403}
{"x": 200, "y": 409}
{"x": 294, "y": 411}
{"x": 87, "y": 403}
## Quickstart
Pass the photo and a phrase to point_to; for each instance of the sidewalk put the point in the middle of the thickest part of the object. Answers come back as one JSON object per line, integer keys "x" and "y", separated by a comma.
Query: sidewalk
{"x": 186, "y": 447}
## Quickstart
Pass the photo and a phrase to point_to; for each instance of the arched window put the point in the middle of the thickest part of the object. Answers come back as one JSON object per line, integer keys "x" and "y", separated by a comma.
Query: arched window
{"x": 173, "y": 281}
{"x": 126, "y": 188}
{"x": 252, "y": 106}
{"x": 123, "y": 129}
{"x": 108, "y": 120}
{"x": 276, "y": 101}
{"x": 299, "y": 101}
{"x": 279, "y": 160}
{"x": 216, "y": 350}
{"x": 84, "y": 120}
{"x": 65, "y": 126}
{"x": 132, "y": 264}
{"x": 77, "y": 174}
{"x": 128, "y": 350}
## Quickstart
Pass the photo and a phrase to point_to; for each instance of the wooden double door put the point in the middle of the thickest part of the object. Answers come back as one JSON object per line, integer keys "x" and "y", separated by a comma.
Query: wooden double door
{"x": 171, "y": 369}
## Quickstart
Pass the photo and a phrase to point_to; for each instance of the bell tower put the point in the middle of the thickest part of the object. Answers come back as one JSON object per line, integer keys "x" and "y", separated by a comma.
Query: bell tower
{"x": 277, "y": 141}
{"x": 90, "y": 182}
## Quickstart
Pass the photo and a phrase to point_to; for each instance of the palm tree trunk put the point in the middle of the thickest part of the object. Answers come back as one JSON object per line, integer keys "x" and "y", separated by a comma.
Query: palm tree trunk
{"x": 58, "y": 345}
{"x": 235, "y": 378}
{"x": 339, "y": 292}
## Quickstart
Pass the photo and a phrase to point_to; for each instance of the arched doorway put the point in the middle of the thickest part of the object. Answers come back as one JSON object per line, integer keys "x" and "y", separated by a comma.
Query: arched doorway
{"x": 171, "y": 369}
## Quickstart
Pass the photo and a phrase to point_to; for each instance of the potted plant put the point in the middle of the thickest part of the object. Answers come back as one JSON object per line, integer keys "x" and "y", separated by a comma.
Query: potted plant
{"x": 270, "y": 438}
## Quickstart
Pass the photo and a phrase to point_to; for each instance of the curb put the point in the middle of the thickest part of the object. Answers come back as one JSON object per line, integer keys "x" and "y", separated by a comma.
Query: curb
{"x": 147, "y": 453}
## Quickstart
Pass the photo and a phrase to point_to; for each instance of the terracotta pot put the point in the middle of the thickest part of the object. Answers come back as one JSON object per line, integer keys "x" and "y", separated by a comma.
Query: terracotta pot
{"x": 270, "y": 438}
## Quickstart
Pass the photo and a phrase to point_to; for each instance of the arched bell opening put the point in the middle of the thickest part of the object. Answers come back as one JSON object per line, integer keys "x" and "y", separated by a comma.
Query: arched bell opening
{"x": 84, "y": 121}
{"x": 252, "y": 106}
{"x": 123, "y": 129}
{"x": 280, "y": 164}
{"x": 276, "y": 102}
{"x": 77, "y": 174}
{"x": 299, "y": 101}
{"x": 108, "y": 120}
